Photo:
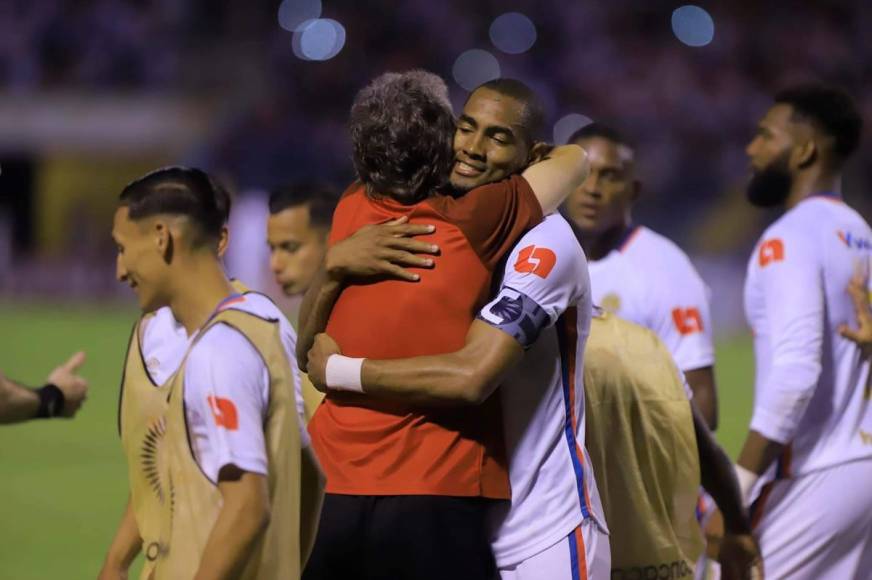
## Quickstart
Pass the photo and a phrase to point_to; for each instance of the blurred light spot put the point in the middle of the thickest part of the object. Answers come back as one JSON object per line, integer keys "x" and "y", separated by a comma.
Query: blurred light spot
{"x": 293, "y": 13}
{"x": 693, "y": 26}
{"x": 319, "y": 39}
{"x": 513, "y": 33}
{"x": 475, "y": 67}
{"x": 567, "y": 125}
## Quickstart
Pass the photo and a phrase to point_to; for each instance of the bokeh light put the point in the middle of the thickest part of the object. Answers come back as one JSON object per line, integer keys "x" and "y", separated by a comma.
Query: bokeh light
{"x": 567, "y": 125}
{"x": 293, "y": 13}
{"x": 475, "y": 67}
{"x": 692, "y": 25}
{"x": 513, "y": 33}
{"x": 320, "y": 39}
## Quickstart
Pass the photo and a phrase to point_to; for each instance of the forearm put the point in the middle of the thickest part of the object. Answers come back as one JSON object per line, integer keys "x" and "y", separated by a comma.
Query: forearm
{"x": 427, "y": 380}
{"x": 758, "y": 452}
{"x": 17, "y": 403}
{"x": 125, "y": 546}
{"x": 315, "y": 312}
{"x": 719, "y": 478}
{"x": 702, "y": 383}
{"x": 231, "y": 541}
{"x": 312, "y": 496}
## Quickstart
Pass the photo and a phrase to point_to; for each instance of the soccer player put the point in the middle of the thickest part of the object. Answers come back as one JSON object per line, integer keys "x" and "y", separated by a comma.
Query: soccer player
{"x": 637, "y": 273}
{"x": 810, "y": 432}
{"x": 296, "y": 233}
{"x": 554, "y": 527}
{"x": 402, "y": 478}
{"x": 649, "y": 448}
{"x": 62, "y": 396}
{"x": 210, "y": 426}
{"x": 297, "y": 228}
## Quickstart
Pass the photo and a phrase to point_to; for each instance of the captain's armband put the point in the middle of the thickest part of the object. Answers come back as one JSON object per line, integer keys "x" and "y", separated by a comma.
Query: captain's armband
{"x": 517, "y": 315}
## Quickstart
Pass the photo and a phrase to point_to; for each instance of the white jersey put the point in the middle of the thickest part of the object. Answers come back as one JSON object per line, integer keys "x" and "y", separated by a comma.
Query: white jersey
{"x": 812, "y": 389}
{"x": 648, "y": 280}
{"x": 553, "y": 487}
{"x": 226, "y": 398}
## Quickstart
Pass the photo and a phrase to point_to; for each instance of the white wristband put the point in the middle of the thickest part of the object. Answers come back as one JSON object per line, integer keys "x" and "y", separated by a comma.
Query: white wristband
{"x": 747, "y": 481}
{"x": 344, "y": 373}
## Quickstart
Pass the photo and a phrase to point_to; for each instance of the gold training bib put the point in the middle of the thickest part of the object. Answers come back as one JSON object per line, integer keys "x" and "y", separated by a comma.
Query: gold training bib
{"x": 642, "y": 444}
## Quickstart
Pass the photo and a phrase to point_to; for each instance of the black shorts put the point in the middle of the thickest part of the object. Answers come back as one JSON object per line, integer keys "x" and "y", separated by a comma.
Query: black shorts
{"x": 413, "y": 537}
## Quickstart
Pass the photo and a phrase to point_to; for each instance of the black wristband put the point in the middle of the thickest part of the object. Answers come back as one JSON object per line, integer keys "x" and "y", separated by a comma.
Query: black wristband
{"x": 51, "y": 401}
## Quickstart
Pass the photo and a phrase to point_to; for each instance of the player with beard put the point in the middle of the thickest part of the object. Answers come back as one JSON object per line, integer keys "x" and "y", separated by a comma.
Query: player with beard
{"x": 810, "y": 432}
{"x": 408, "y": 485}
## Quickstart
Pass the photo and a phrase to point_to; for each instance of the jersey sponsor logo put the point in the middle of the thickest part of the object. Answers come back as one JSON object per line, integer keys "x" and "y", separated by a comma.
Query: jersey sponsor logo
{"x": 687, "y": 320}
{"x": 224, "y": 413}
{"x": 771, "y": 251}
{"x": 667, "y": 571}
{"x": 854, "y": 242}
{"x": 533, "y": 260}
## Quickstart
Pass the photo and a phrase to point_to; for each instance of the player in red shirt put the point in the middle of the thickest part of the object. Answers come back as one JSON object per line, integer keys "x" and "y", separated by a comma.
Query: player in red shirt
{"x": 406, "y": 486}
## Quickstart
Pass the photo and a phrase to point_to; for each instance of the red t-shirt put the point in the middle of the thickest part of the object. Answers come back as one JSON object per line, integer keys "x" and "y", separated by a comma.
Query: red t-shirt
{"x": 371, "y": 446}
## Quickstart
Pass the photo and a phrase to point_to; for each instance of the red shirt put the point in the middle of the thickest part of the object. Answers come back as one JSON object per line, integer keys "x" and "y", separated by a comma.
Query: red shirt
{"x": 370, "y": 446}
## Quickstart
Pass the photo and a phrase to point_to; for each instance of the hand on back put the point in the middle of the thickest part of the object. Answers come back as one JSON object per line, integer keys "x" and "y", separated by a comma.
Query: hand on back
{"x": 381, "y": 251}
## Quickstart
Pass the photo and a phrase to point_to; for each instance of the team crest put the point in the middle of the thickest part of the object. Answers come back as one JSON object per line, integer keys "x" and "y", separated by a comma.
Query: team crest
{"x": 611, "y": 303}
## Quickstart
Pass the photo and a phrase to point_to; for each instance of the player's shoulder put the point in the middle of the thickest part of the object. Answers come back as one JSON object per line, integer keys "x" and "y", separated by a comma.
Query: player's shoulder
{"x": 554, "y": 232}
{"x": 159, "y": 326}
{"x": 550, "y": 246}
{"x": 799, "y": 225}
{"x": 657, "y": 254}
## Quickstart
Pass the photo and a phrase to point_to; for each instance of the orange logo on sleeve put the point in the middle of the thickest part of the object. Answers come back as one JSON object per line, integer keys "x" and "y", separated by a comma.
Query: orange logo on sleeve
{"x": 771, "y": 251}
{"x": 687, "y": 320}
{"x": 539, "y": 261}
{"x": 224, "y": 412}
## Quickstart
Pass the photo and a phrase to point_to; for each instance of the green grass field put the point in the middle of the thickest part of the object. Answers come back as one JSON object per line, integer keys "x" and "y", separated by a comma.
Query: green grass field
{"x": 63, "y": 483}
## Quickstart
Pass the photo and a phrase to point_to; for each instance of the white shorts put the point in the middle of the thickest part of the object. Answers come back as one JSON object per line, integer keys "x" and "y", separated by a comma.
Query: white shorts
{"x": 583, "y": 555}
{"x": 818, "y": 525}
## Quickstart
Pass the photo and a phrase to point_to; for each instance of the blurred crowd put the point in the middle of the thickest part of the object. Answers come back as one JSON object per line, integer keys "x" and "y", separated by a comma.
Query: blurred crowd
{"x": 690, "y": 110}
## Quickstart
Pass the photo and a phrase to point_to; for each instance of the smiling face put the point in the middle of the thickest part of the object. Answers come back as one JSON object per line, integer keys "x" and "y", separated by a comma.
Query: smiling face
{"x": 296, "y": 248}
{"x": 140, "y": 261}
{"x": 490, "y": 142}
{"x": 604, "y": 200}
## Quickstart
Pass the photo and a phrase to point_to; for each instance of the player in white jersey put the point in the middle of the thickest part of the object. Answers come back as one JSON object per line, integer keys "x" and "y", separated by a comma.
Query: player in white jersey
{"x": 637, "y": 273}
{"x": 810, "y": 436}
{"x": 164, "y": 343}
{"x": 642, "y": 276}
{"x": 554, "y": 527}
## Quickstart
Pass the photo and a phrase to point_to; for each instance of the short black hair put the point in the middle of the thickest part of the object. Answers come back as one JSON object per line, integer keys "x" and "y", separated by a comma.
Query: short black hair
{"x": 533, "y": 117}
{"x": 180, "y": 191}
{"x": 602, "y": 131}
{"x": 831, "y": 110}
{"x": 320, "y": 198}
{"x": 402, "y": 133}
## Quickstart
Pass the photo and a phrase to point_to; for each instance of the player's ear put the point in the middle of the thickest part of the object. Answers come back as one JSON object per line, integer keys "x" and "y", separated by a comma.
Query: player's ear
{"x": 806, "y": 154}
{"x": 223, "y": 241}
{"x": 164, "y": 240}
